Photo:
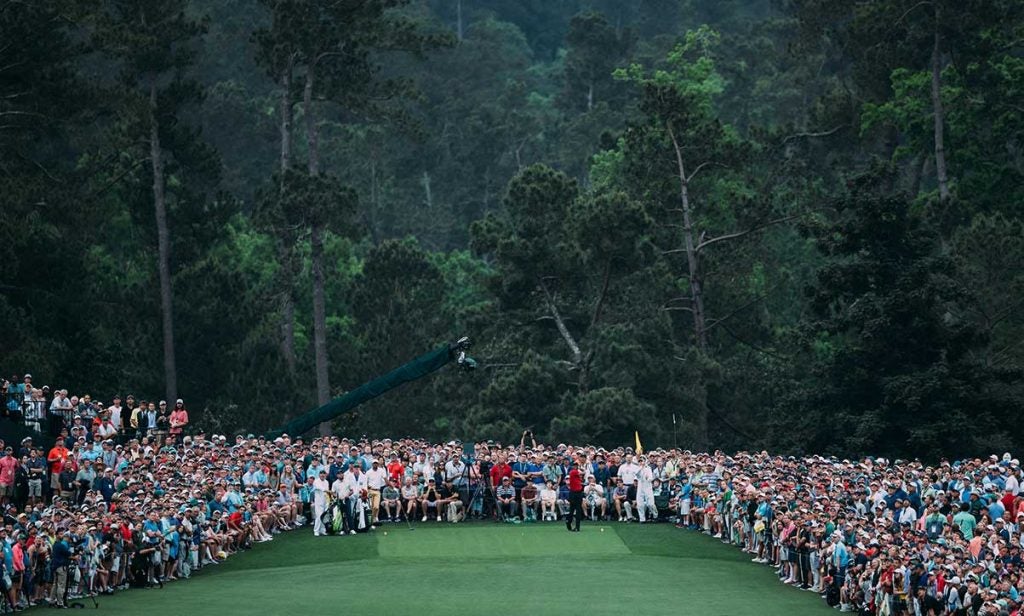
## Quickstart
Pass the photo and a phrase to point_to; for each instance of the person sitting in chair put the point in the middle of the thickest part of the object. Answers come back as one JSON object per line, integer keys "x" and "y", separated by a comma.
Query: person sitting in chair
{"x": 411, "y": 496}
{"x": 429, "y": 500}
{"x": 531, "y": 501}
{"x": 548, "y": 499}
{"x": 391, "y": 499}
{"x": 593, "y": 498}
{"x": 506, "y": 497}
{"x": 451, "y": 502}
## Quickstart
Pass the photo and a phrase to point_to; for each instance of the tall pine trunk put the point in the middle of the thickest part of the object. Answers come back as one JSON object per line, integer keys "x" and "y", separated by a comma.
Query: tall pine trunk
{"x": 940, "y": 147}
{"x": 696, "y": 286}
{"x": 692, "y": 256}
{"x": 286, "y": 118}
{"x": 459, "y": 28}
{"x": 287, "y": 302}
{"x": 316, "y": 256}
{"x": 163, "y": 248}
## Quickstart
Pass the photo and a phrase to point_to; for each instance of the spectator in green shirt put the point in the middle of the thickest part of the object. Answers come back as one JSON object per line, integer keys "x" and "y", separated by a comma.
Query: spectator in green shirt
{"x": 965, "y": 521}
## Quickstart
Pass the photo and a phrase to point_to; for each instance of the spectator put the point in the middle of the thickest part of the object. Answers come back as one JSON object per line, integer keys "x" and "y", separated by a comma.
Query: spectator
{"x": 178, "y": 420}
{"x": 411, "y": 496}
{"x": 8, "y": 467}
{"x": 548, "y": 502}
{"x": 530, "y": 499}
{"x": 429, "y": 500}
{"x": 593, "y": 499}
{"x": 391, "y": 500}
{"x": 506, "y": 498}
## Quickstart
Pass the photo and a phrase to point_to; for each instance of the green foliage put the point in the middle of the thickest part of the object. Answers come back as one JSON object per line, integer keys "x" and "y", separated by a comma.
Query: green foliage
{"x": 887, "y": 282}
{"x": 509, "y": 170}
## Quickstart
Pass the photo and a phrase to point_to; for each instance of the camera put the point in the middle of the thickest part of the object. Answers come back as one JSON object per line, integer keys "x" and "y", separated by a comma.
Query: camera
{"x": 465, "y": 362}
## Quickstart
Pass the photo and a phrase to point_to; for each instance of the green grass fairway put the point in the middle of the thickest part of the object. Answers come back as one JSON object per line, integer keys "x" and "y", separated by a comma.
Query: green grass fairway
{"x": 481, "y": 568}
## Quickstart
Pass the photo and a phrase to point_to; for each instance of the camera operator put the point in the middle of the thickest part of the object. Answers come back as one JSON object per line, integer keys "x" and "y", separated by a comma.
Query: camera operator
{"x": 62, "y": 558}
{"x": 152, "y": 537}
{"x": 522, "y": 441}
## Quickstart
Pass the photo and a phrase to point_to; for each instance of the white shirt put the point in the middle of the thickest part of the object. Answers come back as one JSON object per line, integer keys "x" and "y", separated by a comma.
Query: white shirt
{"x": 320, "y": 489}
{"x": 425, "y": 469}
{"x": 645, "y": 478}
{"x": 340, "y": 488}
{"x": 376, "y": 478}
{"x": 115, "y": 416}
{"x": 454, "y": 471}
{"x": 106, "y": 430}
{"x": 628, "y": 472}
{"x": 354, "y": 483}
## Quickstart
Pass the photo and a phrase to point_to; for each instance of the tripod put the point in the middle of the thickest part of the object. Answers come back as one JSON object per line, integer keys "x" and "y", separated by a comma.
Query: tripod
{"x": 483, "y": 490}
{"x": 67, "y": 584}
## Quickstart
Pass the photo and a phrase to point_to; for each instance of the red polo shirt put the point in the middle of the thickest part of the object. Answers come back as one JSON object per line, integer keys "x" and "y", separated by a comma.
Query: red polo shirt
{"x": 499, "y": 472}
{"x": 575, "y": 480}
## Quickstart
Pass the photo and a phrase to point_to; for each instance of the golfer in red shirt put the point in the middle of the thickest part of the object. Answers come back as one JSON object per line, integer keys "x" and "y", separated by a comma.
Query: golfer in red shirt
{"x": 575, "y": 480}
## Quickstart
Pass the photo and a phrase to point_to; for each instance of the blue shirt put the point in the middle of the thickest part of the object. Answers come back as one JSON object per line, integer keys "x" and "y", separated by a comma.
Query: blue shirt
{"x": 841, "y": 556}
{"x": 154, "y": 527}
{"x": 519, "y": 467}
{"x": 535, "y": 468}
{"x": 233, "y": 501}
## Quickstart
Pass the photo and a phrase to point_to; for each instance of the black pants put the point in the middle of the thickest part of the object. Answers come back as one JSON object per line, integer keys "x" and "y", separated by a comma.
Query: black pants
{"x": 575, "y": 509}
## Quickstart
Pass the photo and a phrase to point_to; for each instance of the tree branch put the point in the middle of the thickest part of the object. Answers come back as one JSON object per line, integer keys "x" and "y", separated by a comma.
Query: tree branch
{"x": 733, "y": 312}
{"x": 701, "y": 166}
{"x": 908, "y": 11}
{"x": 577, "y": 355}
{"x": 732, "y": 236}
{"x": 824, "y": 133}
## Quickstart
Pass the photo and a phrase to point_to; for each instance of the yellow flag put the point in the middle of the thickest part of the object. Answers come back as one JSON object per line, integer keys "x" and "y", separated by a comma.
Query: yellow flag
{"x": 639, "y": 447}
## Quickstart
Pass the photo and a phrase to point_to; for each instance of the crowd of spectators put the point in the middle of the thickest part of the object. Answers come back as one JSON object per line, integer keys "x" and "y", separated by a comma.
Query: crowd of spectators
{"x": 98, "y": 508}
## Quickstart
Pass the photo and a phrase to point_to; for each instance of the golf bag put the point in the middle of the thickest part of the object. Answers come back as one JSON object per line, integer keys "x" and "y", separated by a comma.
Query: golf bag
{"x": 361, "y": 514}
{"x": 333, "y": 518}
{"x": 337, "y": 525}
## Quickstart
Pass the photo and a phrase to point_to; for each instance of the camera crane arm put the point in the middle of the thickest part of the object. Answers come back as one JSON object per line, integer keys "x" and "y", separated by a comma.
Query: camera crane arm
{"x": 418, "y": 368}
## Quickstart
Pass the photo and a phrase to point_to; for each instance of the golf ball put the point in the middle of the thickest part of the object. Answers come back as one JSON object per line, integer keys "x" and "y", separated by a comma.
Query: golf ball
{"x": 602, "y": 530}
{"x": 385, "y": 533}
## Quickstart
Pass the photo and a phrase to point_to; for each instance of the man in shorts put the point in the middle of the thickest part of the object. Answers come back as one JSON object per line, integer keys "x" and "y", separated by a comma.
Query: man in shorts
{"x": 8, "y": 466}
{"x": 36, "y": 466}
{"x": 391, "y": 499}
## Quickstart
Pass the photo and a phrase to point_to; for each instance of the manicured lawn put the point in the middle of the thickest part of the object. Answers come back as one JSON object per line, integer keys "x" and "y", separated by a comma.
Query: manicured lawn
{"x": 481, "y": 568}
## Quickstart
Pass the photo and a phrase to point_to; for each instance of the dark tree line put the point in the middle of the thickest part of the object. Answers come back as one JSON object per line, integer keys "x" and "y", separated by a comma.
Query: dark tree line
{"x": 786, "y": 225}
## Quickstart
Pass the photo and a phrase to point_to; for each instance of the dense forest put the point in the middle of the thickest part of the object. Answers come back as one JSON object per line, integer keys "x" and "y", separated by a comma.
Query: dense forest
{"x": 782, "y": 224}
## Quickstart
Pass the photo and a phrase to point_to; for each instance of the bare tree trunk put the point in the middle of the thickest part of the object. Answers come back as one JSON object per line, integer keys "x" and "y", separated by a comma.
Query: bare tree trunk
{"x": 371, "y": 218}
{"x": 590, "y": 96}
{"x": 323, "y": 386}
{"x": 428, "y": 195}
{"x": 312, "y": 139}
{"x": 163, "y": 248}
{"x": 940, "y": 148}
{"x": 288, "y": 329}
{"x": 286, "y": 257}
{"x": 459, "y": 32}
{"x": 578, "y": 361}
{"x": 286, "y": 118}
{"x": 316, "y": 257}
{"x": 692, "y": 257}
